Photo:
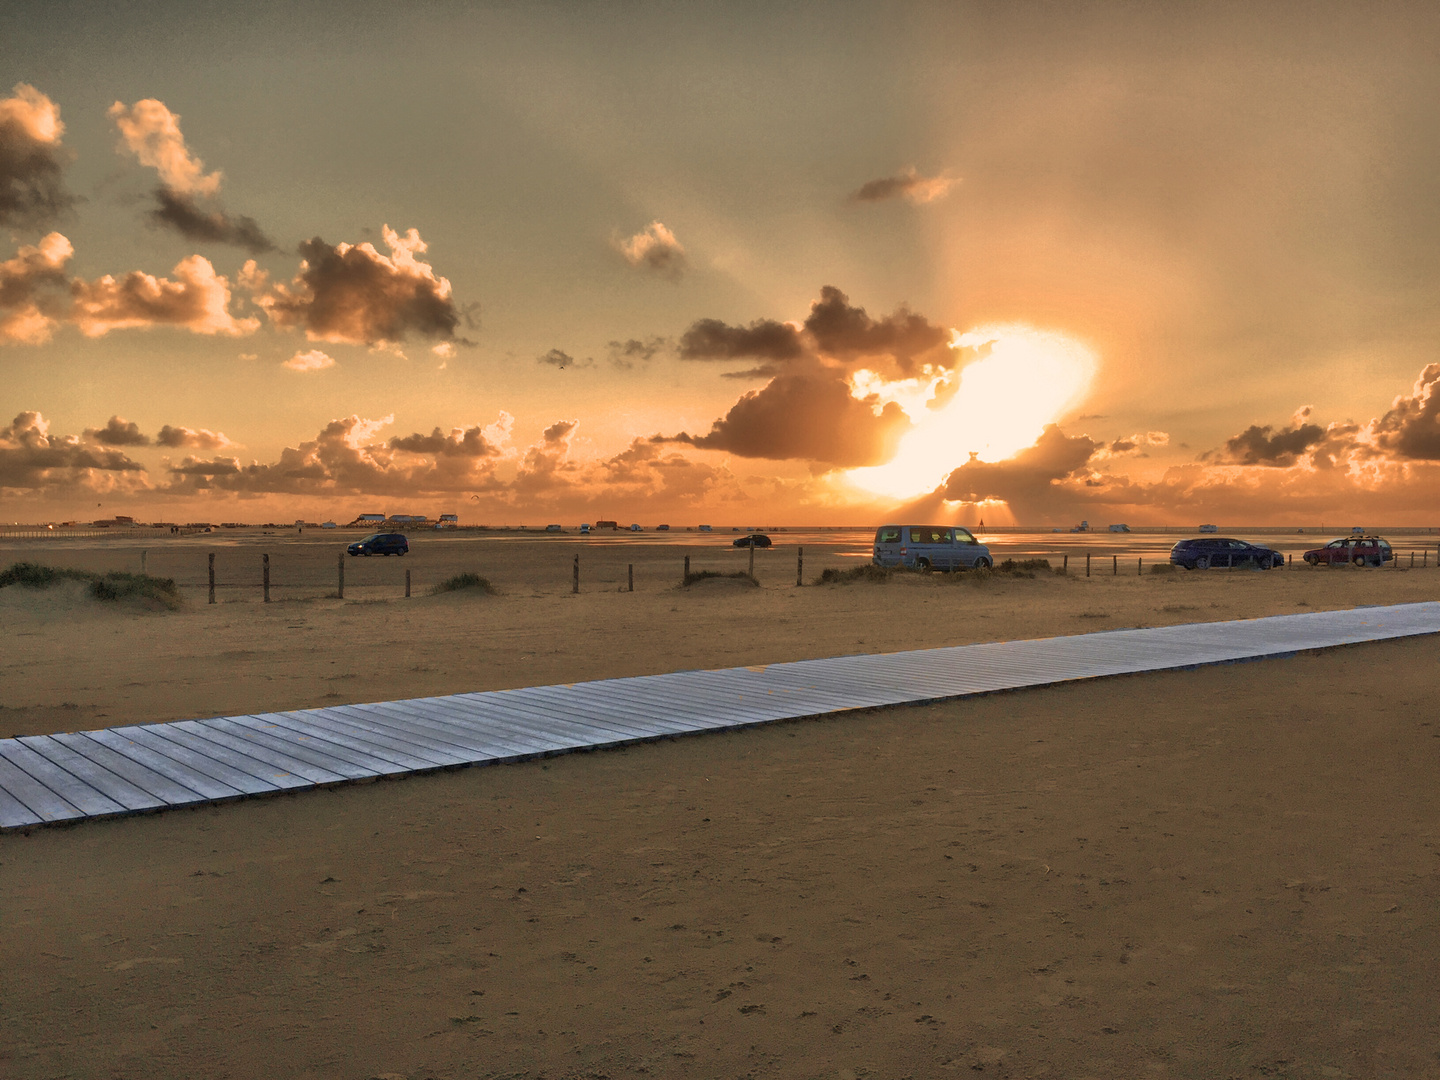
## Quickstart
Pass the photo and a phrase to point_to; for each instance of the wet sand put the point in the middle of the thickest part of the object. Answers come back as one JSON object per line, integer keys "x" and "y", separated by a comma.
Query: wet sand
{"x": 1230, "y": 871}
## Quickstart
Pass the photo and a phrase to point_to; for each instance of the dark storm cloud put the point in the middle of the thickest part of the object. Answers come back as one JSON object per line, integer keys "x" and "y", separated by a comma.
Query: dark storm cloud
{"x": 1028, "y": 478}
{"x": 908, "y": 185}
{"x": 118, "y": 432}
{"x": 763, "y": 339}
{"x": 351, "y": 294}
{"x": 812, "y": 417}
{"x": 847, "y": 332}
{"x": 1265, "y": 445}
{"x": 461, "y": 442}
{"x": 183, "y": 213}
{"x": 32, "y": 193}
{"x": 1411, "y": 429}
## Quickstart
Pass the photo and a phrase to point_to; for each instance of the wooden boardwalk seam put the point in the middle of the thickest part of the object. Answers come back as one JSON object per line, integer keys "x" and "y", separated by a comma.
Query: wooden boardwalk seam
{"x": 47, "y": 779}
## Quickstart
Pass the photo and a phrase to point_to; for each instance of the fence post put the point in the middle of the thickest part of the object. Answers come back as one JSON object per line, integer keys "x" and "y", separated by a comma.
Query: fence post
{"x": 212, "y": 577}
{"x": 1114, "y": 565}
{"x": 340, "y": 587}
{"x": 1065, "y": 566}
{"x": 630, "y": 573}
{"x": 687, "y": 570}
{"x": 1087, "y": 564}
{"x": 799, "y": 566}
{"x": 752, "y": 559}
{"x": 265, "y": 564}
{"x": 1140, "y": 566}
{"x": 575, "y": 582}
{"x": 407, "y": 583}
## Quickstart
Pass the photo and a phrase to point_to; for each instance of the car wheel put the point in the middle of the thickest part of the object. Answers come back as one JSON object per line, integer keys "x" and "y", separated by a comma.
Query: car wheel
{"x": 1202, "y": 563}
{"x": 982, "y": 563}
{"x": 1359, "y": 560}
{"x": 923, "y": 565}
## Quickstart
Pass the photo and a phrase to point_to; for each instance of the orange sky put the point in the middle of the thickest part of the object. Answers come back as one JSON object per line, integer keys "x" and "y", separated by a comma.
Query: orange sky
{"x": 784, "y": 263}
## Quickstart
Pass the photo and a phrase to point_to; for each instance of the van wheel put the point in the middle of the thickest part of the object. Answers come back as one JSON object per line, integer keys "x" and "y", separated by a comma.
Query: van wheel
{"x": 982, "y": 563}
{"x": 923, "y": 565}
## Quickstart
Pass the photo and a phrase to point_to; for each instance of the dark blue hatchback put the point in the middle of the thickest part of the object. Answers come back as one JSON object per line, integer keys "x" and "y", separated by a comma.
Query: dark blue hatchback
{"x": 1207, "y": 551}
{"x": 380, "y": 544}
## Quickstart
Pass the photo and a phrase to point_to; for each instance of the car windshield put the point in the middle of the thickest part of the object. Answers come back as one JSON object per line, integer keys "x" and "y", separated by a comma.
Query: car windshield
{"x": 1336, "y": 544}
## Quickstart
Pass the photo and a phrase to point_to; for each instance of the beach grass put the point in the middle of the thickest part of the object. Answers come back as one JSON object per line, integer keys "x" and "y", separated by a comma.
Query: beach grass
{"x": 462, "y": 583}
{"x": 113, "y": 586}
{"x": 694, "y": 577}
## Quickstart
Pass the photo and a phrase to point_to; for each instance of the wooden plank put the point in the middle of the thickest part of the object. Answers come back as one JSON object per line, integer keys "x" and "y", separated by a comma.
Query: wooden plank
{"x": 113, "y": 787}
{"x": 432, "y": 737}
{"x": 259, "y": 777}
{"x": 72, "y": 790}
{"x": 495, "y": 721}
{"x": 127, "y": 765}
{"x": 185, "y": 765}
{"x": 14, "y": 814}
{"x": 407, "y": 754}
{"x": 288, "y": 762}
{"x": 331, "y": 748}
{"x": 498, "y": 745}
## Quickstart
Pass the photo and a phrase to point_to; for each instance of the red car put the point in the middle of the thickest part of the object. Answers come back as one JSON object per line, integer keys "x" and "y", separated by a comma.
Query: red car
{"x": 1352, "y": 550}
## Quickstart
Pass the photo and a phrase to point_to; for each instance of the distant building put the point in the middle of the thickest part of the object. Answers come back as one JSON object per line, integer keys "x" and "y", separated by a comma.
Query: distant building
{"x": 607, "y": 525}
{"x": 449, "y": 520}
{"x": 369, "y": 519}
{"x": 1119, "y": 528}
{"x": 329, "y": 525}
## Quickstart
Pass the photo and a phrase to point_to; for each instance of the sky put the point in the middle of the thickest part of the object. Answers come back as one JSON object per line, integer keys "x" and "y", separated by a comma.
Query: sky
{"x": 742, "y": 263}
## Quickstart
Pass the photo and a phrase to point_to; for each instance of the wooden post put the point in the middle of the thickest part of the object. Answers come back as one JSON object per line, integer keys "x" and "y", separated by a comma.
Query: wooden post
{"x": 265, "y": 564}
{"x": 575, "y": 583}
{"x": 1412, "y": 560}
{"x": 687, "y": 571}
{"x": 1114, "y": 565}
{"x": 1065, "y": 566}
{"x": 630, "y": 573}
{"x": 1140, "y": 566}
{"x": 1087, "y": 564}
{"x": 752, "y": 559}
{"x": 340, "y": 588}
{"x": 212, "y": 577}
{"x": 799, "y": 566}
{"x": 407, "y": 582}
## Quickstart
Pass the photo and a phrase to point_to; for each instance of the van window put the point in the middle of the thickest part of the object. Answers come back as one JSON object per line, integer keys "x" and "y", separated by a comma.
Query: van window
{"x": 965, "y": 536}
{"x": 887, "y": 536}
{"x": 929, "y": 535}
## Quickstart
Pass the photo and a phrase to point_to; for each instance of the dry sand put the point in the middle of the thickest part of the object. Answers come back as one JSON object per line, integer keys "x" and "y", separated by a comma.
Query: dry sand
{"x": 1225, "y": 872}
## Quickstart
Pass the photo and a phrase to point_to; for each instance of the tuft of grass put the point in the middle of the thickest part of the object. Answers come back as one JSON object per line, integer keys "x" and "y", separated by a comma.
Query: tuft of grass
{"x": 1025, "y": 568}
{"x": 868, "y": 572}
{"x": 113, "y": 586}
{"x": 461, "y": 582}
{"x": 706, "y": 575}
{"x": 1163, "y": 568}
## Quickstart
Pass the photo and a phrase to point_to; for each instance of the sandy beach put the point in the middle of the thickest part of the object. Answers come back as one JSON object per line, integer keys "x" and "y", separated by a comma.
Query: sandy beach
{"x": 1222, "y": 872}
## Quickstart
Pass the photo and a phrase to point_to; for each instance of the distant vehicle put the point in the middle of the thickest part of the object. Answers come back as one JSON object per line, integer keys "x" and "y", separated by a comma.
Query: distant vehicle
{"x": 754, "y": 540}
{"x": 929, "y": 547}
{"x": 1203, "y": 554}
{"x": 662, "y": 528}
{"x": 706, "y": 528}
{"x": 380, "y": 544}
{"x": 1119, "y": 528}
{"x": 553, "y": 528}
{"x": 1084, "y": 526}
{"x": 329, "y": 525}
{"x": 585, "y": 529}
{"x": 1209, "y": 528}
{"x": 1352, "y": 551}
{"x": 635, "y": 528}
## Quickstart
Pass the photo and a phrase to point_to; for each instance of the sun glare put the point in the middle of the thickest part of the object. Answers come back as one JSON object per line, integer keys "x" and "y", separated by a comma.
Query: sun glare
{"x": 1025, "y": 379}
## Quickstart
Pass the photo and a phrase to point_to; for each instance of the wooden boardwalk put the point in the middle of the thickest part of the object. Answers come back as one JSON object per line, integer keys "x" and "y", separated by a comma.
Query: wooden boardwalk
{"x": 56, "y": 778}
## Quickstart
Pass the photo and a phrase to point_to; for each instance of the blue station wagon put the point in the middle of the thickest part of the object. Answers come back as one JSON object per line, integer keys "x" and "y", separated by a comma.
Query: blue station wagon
{"x": 1203, "y": 553}
{"x": 930, "y": 547}
{"x": 380, "y": 544}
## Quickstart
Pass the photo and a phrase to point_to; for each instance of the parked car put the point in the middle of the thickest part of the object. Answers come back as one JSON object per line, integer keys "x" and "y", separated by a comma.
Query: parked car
{"x": 1202, "y": 553}
{"x": 759, "y": 540}
{"x": 1352, "y": 551}
{"x": 380, "y": 544}
{"x": 552, "y": 528}
{"x": 929, "y": 547}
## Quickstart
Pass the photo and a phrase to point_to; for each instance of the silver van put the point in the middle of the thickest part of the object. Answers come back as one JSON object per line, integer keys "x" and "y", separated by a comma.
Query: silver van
{"x": 930, "y": 547}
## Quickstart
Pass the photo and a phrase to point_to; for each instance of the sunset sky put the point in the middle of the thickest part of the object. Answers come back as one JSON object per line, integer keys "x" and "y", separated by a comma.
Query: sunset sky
{"x": 749, "y": 263}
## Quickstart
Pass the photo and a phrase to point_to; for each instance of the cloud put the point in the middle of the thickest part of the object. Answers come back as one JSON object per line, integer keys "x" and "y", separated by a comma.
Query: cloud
{"x": 32, "y": 288}
{"x": 558, "y": 358}
{"x": 310, "y": 360}
{"x": 812, "y": 417}
{"x": 908, "y": 185}
{"x": 1026, "y": 480}
{"x": 626, "y": 354}
{"x": 33, "y": 459}
{"x": 847, "y": 332}
{"x": 31, "y": 160}
{"x": 1411, "y": 429}
{"x": 118, "y": 432}
{"x": 201, "y": 439}
{"x": 180, "y": 211}
{"x": 151, "y": 132}
{"x": 197, "y": 299}
{"x": 461, "y": 442}
{"x": 1264, "y": 445}
{"x": 654, "y": 249}
{"x": 763, "y": 339}
{"x": 351, "y": 294}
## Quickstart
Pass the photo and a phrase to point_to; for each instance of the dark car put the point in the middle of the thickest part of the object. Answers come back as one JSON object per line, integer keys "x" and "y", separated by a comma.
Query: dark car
{"x": 1351, "y": 551}
{"x": 754, "y": 540}
{"x": 1204, "y": 552}
{"x": 380, "y": 544}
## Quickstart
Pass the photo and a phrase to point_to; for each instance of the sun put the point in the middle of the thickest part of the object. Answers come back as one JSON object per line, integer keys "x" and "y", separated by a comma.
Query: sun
{"x": 1025, "y": 378}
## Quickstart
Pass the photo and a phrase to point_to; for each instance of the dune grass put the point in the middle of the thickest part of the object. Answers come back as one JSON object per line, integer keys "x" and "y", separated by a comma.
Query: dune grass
{"x": 696, "y": 576}
{"x": 1163, "y": 568}
{"x": 462, "y": 583}
{"x": 849, "y": 576}
{"x": 113, "y": 586}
